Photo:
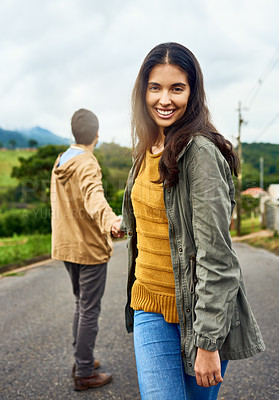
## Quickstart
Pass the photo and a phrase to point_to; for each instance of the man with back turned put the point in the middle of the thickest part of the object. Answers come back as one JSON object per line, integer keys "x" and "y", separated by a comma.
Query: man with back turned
{"x": 82, "y": 225}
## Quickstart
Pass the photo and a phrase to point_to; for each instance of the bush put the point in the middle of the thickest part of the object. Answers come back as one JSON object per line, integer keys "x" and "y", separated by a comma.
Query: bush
{"x": 116, "y": 202}
{"x": 30, "y": 221}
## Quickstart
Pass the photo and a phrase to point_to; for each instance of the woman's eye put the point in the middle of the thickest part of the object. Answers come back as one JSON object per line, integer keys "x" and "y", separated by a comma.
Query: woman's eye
{"x": 177, "y": 89}
{"x": 153, "y": 88}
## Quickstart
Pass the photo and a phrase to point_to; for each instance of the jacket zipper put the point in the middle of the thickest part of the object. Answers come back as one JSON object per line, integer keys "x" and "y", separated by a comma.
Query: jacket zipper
{"x": 181, "y": 292}
{"x": 192, "y": 259}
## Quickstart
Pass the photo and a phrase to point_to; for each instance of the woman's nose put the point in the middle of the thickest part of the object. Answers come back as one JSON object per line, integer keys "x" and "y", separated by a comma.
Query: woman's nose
{"x": 165, "y": 98}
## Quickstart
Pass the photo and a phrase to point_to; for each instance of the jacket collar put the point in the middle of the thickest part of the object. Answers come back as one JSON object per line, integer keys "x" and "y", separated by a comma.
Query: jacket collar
{"x": 80, "y": 147}
{"x": 184, "y": 149}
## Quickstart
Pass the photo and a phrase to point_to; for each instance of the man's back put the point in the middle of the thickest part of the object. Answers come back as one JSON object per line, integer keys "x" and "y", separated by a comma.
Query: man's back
{"x": 82, "y": 222}
{"x": 81, "y": 216}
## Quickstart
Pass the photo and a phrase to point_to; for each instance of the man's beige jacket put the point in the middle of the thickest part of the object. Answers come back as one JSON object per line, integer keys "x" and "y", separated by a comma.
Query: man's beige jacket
{"x": 81, "y": 216}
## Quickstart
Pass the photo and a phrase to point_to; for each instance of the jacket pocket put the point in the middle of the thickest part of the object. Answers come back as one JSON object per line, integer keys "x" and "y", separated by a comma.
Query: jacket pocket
{"x": 235, "y": 318}
{"x": 194, "y": 279}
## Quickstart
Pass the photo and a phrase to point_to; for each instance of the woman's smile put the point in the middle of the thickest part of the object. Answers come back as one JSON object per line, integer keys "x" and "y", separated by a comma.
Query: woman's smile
{"x": 165, "y": 113}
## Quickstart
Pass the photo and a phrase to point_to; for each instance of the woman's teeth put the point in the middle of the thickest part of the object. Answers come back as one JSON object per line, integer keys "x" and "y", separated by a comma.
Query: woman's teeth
{"x": 165, "y": 112}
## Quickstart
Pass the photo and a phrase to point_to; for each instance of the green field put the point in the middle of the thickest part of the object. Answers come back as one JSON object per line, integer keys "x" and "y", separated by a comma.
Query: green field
{"x": 8, "y": 160}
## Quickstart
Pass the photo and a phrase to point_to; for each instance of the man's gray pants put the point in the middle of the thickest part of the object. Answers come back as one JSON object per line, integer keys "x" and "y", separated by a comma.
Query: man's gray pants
{"x": 88, "y": 283}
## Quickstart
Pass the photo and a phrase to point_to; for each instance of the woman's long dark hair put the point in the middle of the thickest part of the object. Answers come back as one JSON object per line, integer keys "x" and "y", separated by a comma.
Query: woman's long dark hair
{"x": 195, "y": 121}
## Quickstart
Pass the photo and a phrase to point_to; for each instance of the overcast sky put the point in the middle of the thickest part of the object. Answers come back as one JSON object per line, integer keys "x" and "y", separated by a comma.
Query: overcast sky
{"x": 60, "y": 55}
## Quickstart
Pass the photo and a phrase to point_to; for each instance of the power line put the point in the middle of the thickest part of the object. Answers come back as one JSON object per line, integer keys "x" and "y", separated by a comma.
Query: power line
{"x": 270, "y": 66}
{"x": 267, "y": 127}
{"x": 268, "y": 69}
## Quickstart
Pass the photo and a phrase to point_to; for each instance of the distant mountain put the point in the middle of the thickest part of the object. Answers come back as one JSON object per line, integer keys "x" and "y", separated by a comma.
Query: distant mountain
{"x": 6, "y": 136}
{"x": 22, "y": 137}
{"x": 43, "y": 136}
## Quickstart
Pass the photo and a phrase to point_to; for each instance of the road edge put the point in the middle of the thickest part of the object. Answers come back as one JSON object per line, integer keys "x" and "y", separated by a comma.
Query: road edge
{"x": 26, "y": 267}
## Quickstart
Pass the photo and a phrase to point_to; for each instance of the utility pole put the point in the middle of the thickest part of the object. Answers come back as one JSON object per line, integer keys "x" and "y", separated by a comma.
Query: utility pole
{"x": 239, "y": 178}
{"x": 262, "y": 213}
{"x": 261, "y": 172}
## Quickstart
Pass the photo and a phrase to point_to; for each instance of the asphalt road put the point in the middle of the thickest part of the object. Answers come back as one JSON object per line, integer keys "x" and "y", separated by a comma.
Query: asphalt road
{"x": 35, "y": 330}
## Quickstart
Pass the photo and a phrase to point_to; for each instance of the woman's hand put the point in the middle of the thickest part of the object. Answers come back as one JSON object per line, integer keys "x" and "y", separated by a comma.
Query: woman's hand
{"x": 116, "y": 231}
{"x": 208, "y": 368}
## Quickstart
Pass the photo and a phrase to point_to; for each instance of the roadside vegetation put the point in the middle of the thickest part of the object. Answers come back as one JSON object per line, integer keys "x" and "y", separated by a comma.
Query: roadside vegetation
{"x": 18, "y": 249}
{"x": 268, "y": 243}
{"x": 248, "y": 225}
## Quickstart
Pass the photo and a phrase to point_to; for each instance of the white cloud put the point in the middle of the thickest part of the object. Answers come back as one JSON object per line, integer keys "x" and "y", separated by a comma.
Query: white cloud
{"x": 60, "y": 55}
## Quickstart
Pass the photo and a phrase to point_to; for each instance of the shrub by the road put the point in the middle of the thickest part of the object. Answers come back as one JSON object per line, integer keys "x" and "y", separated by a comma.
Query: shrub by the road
{"x": 27, "y": 221}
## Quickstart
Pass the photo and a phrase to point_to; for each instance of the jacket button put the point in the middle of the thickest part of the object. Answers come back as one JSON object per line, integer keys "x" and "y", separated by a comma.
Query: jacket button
{"x": 190, "y": 365}
{"x": 188, "y": 310}
{"x": 180, "y": 250}
{"x": 169, "y": 190}
{"x": 130, "y": 233}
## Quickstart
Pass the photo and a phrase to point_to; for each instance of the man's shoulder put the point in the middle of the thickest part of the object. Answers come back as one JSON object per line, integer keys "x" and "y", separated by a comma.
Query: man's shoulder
{"x": 87, "y": 158}
{"x": 87, "y": 161}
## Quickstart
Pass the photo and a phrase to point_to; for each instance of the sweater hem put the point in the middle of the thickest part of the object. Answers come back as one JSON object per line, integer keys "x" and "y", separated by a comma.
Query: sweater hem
{"x": 143, "y": 299}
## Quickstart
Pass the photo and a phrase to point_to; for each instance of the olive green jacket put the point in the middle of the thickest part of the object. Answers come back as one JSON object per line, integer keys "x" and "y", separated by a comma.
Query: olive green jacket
{"x": 214, "y": 313}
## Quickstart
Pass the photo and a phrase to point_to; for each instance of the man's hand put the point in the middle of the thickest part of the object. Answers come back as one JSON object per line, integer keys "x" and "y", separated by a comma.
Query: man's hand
{"x": 116, "y": 231}
{"x": 208, "y": 368}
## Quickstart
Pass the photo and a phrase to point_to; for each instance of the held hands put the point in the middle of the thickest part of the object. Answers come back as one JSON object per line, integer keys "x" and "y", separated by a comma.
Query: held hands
{"x": 116, "y": 231}
{"x": 208, "y": 368}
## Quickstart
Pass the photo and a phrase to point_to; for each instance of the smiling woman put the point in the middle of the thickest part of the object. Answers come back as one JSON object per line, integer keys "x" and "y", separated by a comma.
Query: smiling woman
{"x": 186, "y": 298}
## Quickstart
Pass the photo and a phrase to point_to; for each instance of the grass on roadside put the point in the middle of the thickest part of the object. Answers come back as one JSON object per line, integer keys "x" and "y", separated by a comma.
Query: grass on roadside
{"x": 248, "y": 225}
{"x": 21, "y": 248}
{"x": 269, "y": 243}
{"x": 13, "y": 274}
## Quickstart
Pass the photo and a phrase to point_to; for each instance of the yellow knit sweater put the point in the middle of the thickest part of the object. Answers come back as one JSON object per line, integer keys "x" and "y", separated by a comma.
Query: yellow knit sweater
{"x": 153, "y": 289}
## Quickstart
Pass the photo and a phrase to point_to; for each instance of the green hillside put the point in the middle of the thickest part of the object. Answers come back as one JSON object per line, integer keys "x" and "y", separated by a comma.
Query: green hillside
{"x": 8, "y": 160}
{"x": 7, "y": 136}
{"x": 117, "y": 160}
{"x": 251, "y": 154}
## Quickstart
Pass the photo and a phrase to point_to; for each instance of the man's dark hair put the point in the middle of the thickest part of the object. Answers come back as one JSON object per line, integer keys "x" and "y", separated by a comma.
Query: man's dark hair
{"x": 85, "y": 126}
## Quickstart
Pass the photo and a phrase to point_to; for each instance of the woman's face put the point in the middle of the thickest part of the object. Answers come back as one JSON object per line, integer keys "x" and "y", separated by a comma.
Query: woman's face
{"x": 167, "y": 94}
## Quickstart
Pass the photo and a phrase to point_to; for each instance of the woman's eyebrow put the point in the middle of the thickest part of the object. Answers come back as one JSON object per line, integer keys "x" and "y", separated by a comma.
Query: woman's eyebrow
{"x": 179, "y": 84}
{"x": 173, "y": 84}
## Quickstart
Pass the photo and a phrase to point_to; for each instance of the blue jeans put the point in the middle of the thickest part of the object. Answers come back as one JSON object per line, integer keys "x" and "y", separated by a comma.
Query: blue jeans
{"x": 160, "y": 368}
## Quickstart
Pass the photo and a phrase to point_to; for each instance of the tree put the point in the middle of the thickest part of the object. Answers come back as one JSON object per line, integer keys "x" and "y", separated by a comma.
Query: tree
{"x": 1, "y": 145}
{"x": 250, "y": 204}
{"x": 116, "y": 159}
{"x": 12, "y": 143}
{"x": 34, "y": 173}
{"x": 33, "y": 143}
